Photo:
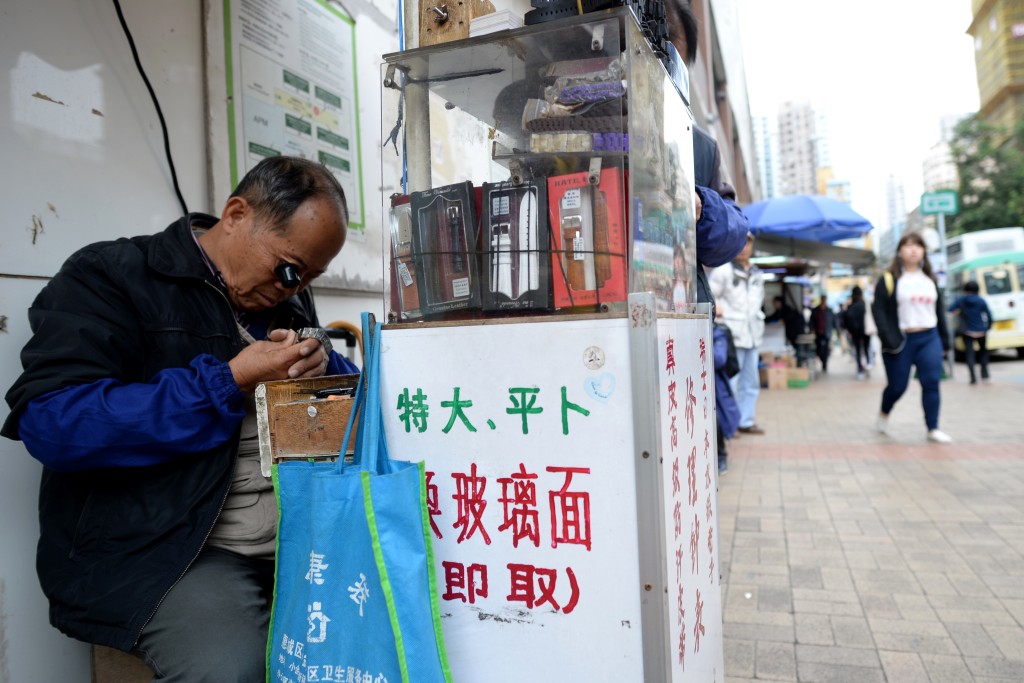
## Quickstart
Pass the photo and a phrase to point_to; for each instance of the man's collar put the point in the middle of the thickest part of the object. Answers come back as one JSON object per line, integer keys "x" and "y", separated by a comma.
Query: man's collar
{"x": 173, "y": 252}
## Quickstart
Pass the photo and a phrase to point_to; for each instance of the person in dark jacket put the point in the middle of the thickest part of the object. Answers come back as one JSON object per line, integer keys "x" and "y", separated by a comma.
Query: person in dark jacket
{"x": 791, "y": 319}
{"x": 728, "y": 410}
{"x": 853, "y": 323}
{"x": 911, "y": 324}
{"x": 975, "y": 322}
{"x": 721, "y": 226}
{"x": 157, "y": 529}
{"x": 823, "y": 324}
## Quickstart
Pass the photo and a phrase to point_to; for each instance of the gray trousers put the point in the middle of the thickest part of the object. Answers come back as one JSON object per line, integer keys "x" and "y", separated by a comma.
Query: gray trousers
{"x": 212, "y": 626}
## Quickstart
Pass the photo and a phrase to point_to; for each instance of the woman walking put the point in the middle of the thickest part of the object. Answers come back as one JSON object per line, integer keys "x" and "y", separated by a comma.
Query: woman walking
{"x": 911, "y": 324}
{"x": 975, "y": 321}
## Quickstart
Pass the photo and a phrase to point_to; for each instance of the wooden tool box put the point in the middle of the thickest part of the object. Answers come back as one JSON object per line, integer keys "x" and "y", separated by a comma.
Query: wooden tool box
{"x": 304, "y": 418}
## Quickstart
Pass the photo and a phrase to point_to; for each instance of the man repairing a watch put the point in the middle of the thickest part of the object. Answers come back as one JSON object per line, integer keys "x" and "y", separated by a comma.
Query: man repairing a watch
{"x": 157, "y": 527}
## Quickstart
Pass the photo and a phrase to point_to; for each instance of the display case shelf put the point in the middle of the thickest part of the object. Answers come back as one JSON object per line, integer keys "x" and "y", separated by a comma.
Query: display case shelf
{"x": 487, "y": 110}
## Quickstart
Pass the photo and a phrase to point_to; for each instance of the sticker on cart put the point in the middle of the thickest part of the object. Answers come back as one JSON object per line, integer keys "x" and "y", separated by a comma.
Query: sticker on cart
{"x": 593, "y": 358}
{"x": 460, "y": 287}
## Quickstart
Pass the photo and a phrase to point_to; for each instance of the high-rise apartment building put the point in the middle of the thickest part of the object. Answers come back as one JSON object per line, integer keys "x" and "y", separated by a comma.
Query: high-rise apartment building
{"x": 798, "y": 149}
{"x": 998, "y": 32}
{"x": 766, "y": 144}
{"x": 895, "y": 201}
{"x": 938, "y": 171}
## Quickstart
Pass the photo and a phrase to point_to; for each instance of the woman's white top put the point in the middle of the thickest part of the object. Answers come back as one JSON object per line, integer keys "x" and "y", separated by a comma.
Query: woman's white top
{"x": 915, "y": 301}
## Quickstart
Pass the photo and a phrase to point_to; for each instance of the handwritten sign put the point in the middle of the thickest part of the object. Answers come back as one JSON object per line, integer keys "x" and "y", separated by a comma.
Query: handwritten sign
{"x": 686, "y": 377}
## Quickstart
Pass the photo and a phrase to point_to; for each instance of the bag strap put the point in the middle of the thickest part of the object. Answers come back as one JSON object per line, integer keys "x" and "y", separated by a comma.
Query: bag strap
{"x": 890, "y": 284}
{"x": 371, "y": 453}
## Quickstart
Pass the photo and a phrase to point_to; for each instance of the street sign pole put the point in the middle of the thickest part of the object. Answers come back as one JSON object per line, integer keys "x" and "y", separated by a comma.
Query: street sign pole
{"x": 939, "y": 204}
{"x": 950, "y": 335}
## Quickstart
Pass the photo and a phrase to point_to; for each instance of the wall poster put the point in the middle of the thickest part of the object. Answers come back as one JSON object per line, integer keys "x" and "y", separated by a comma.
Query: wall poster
{"x": 290, "y": 67}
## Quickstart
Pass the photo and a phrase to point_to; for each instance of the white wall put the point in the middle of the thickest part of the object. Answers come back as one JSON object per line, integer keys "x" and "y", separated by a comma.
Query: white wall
{"x": 82, "y": 161}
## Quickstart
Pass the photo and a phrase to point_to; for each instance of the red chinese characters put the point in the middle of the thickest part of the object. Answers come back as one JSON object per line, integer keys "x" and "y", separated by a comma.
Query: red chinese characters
{"x": 536, "y": 586}
{"x": 520, "y": 506}
{"x": 464, "y": 583}
{"x": 568, "y": 510}
{"x": 470, "y": 498}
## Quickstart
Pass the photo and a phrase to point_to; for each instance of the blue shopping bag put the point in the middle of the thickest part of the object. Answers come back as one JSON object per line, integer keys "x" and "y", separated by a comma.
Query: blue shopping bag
{"x": 355, "y": 596}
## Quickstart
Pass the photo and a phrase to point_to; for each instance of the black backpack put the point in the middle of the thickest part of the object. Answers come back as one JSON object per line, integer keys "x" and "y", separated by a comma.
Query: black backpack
{"x": 732, "y": 361}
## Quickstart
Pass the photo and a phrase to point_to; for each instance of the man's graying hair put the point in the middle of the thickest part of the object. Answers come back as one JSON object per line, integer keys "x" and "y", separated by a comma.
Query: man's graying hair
{"x": 277, "y": 186}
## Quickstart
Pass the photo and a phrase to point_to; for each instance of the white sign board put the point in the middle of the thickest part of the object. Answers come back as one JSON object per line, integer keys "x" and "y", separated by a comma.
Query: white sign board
{"x": 527, "y": 430}
{"x": 686, "y": 376}
{"x": 527, "y": 433}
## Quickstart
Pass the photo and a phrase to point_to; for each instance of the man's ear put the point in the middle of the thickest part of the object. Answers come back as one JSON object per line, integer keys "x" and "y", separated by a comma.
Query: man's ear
{"x": 237, "y": 214}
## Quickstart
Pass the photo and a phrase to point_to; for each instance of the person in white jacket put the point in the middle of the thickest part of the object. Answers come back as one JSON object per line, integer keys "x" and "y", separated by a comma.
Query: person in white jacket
{"x": 738, "y": 288}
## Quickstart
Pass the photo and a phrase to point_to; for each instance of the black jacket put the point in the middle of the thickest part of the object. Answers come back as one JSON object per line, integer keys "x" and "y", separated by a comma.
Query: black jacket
{"x": 887, "y": 319}
{"x": 114, "y": 541}
{"x": 792, "y": 320}
{"x": 853, "y": 318}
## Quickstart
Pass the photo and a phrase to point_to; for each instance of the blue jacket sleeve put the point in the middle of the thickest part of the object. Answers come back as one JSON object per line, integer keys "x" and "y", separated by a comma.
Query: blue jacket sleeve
{"x": 721, "y": 230}
{"x": 106, "y": 423}
{"x": 337, "y": 364}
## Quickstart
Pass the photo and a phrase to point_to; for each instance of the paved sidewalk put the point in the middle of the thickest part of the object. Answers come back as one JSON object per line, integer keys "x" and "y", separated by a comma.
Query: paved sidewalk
{"x": 849, "y": 556}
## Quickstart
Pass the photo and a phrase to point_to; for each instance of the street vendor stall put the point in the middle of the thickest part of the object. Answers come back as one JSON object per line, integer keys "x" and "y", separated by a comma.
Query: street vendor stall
{"x": 545, "y": 356}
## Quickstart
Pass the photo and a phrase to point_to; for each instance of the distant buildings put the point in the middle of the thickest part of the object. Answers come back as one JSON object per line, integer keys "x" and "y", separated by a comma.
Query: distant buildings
{"x": 895, "y": 201}
{"x": 766, "y": 144}
{"x": 998, "y": 32}
{"x": 896, "y": 220}
{"x": 798, "y": 149}
{"x": 938, "y": 170}
{"x": 718, "y": 94}
{"x": 793, "y": 153}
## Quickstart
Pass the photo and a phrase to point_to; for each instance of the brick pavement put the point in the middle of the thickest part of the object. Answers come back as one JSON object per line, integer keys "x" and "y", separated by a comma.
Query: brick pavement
{"x": 849, "y": 556}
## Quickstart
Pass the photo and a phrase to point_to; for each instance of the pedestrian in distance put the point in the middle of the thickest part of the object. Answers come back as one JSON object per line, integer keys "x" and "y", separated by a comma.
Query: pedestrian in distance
{"x": 911, "y": 323}
{"x": 975, "y": 320}
{"x": 853, "y": 322}
{"x": 791, "y": 319}
{"x": 157, "y": 527}
{"x": 738, "y": 288}
{"x": 823, "y": 324}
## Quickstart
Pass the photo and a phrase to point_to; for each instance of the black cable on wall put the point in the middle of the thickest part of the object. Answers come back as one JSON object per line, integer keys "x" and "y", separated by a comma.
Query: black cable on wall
{"x": 156, "y": 103}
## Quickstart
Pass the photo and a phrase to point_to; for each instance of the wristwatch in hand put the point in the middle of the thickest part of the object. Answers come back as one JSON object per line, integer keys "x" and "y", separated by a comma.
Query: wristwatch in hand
{"x": 317, "y": 333}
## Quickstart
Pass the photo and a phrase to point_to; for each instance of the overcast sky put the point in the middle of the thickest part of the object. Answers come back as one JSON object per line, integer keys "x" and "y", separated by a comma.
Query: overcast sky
{"x": 884, "y": 71}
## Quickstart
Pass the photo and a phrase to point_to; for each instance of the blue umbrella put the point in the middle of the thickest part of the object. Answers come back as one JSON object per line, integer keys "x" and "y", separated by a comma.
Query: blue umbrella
{"x": 810, "y": 217}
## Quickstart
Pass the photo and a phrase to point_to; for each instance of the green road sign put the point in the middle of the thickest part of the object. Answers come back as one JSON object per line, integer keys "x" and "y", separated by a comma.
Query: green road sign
{"x": 944, "y": 201}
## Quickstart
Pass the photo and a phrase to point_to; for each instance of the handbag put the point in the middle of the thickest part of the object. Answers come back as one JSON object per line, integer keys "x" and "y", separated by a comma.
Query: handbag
{"x": 355, "y": 595}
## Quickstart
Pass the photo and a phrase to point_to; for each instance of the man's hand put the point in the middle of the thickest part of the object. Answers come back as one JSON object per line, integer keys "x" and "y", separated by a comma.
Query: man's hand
{"x": 698, "y": 204}
{"x": 278, "y": 358}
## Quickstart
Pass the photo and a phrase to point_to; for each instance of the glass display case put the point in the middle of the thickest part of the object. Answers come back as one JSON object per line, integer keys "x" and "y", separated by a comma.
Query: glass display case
{"x": 547, "y": 169}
